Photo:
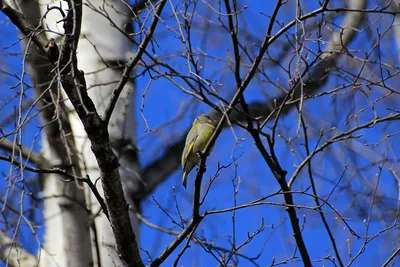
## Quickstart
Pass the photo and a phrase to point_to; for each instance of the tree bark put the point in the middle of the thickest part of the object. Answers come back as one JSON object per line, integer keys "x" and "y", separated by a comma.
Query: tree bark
{"x": 102, "y": 53}
{"x": 67, "y": 236}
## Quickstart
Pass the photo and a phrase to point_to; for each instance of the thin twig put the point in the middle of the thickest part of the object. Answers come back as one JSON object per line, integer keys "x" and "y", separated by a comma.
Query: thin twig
{"x": 133, "y": 62}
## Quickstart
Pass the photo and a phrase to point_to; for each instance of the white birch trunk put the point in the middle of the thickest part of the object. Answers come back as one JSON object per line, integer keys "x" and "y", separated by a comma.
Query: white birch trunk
{"x": 67, "y": 237}
{"x": 100, "y": 42}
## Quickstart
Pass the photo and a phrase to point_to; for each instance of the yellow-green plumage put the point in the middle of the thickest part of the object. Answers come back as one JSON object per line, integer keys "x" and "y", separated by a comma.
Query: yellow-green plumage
{"x": 202, "y": 129}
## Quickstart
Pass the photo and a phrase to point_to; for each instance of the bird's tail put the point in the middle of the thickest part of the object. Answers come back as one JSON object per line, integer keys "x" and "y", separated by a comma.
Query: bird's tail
{"x": 184, "y": 179}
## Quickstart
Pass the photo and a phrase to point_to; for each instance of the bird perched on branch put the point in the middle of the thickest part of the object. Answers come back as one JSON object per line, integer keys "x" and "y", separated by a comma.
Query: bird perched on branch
{"x": 202, "y": 129}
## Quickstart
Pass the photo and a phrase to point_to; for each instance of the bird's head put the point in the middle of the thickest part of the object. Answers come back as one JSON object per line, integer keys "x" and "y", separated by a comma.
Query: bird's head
{"x": 206, "y": 118}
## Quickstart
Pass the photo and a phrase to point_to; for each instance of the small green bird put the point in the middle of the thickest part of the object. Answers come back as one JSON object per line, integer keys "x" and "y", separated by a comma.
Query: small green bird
{"x": 202, "y": 129}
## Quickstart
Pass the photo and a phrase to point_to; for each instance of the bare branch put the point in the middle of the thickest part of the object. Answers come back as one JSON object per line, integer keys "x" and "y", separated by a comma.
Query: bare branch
{"x": 15, "y": 255}
{"x": 391, "y": 257}
{"x": 133, "y": 62}
{"x": 196, "y": 218}
{"x": 74, "y": 85}
{"x": 280, "y": 174}
{"x": 27, "y": 153}
{"x": 26, "y": 27}
{"x": 161, "y": 168}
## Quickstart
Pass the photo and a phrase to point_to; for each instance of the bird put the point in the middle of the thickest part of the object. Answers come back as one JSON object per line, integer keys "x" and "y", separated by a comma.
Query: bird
{"x": 202, "y": 129}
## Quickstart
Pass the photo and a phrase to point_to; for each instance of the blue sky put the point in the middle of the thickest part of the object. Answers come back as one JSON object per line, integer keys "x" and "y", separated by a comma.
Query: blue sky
{"x": 164, "y": 101}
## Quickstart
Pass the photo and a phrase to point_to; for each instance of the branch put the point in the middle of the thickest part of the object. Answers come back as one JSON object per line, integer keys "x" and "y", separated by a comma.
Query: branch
{"x": 26, "y": 27}
{"x": 59, "y": 171}
{"x": 195, "y": 239}
{"x": 196, "y": 218}
{"x": 27, "y": 153}
{"x": 11, "y": 118}
{"x": 74, "y": 85}
{"x": 391, "y": 257}
{"x": 140, "y": 5}
{"x": 133, "y": 62}
{"x": 157, "y": 171}
{"x": 59, "y": 143}
{"x": 280, "y": 177}
{"x": 14, "y": 254}
{"x": 314, "y": 189}
{"x": 64, "y": 173}
{"x": 340, "y": 137}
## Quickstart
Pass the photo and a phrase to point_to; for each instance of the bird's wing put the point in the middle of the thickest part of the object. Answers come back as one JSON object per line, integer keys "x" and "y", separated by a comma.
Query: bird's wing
{"x": 205, "y": 131}
{"x": 192, "y": 135}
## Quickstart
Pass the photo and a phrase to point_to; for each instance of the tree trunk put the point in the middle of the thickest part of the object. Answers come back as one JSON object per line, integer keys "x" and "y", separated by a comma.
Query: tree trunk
{"x": 102, "y": 53}
{"x": 67, "y": 236}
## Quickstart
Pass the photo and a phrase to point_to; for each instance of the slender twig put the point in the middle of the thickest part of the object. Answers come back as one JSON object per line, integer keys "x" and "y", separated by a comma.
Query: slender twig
{"x": 316, "y": 200}
{"x": 196, "y": 218}
{"x": 15, "y": 254}
{"x": 178, "y": 240}
{"x": 340, "y": 137}
{"x": 133, "y": 62}
{"x": 386, "y": 263}
{"x": 40, "y": 170}
{"x": 27, "y": 28}
{"x": 62, "y": 172}
{"x": 74, "y": 85}
{"x": 27, "y": 153}
{"x": 154, "y": 179}
{"x": 280, "y": 177}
